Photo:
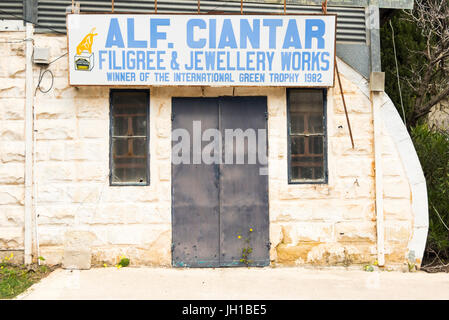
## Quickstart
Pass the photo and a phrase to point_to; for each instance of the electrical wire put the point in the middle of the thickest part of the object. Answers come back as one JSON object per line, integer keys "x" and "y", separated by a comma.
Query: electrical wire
{"x": 58, "y": 58}
{"x": 397, "y": 73}
{"x": 17, "y": 41}
{"x": 41, "y": 76}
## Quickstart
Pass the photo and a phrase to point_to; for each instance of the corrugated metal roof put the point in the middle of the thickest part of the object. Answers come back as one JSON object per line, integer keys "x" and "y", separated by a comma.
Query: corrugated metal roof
{"x": 51, "y": 13}
{"x": 350, "y": 22}
{"x": 12, "y": 8}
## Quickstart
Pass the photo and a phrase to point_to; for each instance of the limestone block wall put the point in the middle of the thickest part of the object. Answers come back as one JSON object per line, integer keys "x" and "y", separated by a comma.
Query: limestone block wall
{"x": 327, "y": 224}
{"x": 12, "y": 145}
{"x": 72, "y": 168}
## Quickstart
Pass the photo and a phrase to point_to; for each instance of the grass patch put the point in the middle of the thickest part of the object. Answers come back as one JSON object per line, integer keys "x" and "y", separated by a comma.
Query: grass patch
{"x": 15, "y": 279}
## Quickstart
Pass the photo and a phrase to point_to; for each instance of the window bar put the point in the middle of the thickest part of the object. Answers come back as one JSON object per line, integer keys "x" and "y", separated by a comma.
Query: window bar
{"x": 241, "y": 6}
{"x": 155, "y": 6}
{"x": 199, "y": 6}
{"x": 112, "y": 8}
{"x": 285, "y": 6}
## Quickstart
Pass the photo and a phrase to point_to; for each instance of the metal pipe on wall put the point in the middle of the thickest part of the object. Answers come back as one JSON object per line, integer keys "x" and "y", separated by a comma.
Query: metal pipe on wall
{"x": 29, "y": 127}
{"x": 374, "y": 36}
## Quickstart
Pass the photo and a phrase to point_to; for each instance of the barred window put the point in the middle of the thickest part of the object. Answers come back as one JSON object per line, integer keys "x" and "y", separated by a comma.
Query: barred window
{"x": 307, "y": 135}
{"x": 129, "y": 137}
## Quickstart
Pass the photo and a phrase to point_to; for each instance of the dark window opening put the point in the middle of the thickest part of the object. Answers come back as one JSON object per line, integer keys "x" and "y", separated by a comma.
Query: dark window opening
{"x": 307, "y": 135}
{"x": 129, "y": 158}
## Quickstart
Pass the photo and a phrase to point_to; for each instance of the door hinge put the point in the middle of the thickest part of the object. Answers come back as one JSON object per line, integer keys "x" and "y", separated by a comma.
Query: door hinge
{"x": 266, "y": 115}
{"x": 172, "y": 116}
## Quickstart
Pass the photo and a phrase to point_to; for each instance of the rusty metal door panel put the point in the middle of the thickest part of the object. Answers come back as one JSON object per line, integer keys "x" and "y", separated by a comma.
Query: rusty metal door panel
{"x": 243, "y": 189}
{"x": 195, "y": 205}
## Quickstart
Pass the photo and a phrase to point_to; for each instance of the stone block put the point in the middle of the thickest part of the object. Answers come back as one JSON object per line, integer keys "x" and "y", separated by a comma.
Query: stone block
{"x": 12, "y": 130}
{"x": 77, "y": 249}
{"x": 12, "y": 109}
{"x": 55, "y": 109}
{"x": 397, "y": 209}
{"x": 308, "y": 232}
{"x": 52, "y": 129}
{"x": 291, "y": 192}
{"x": 358, "y": 210}
{"x": 392, "y": 166}
{"x": 12, "y": 173}
{"x": 355, "y": 103}
{"x": 90, "y": 128}
{"x": 11, "y": 237}
{"x": 217, "y": 92}
{"x": 13, "y": 88}
{"x": 57, "y": 171}
{"x": 12, "y": 151}
{"x": 361, "y": 127}
{"x": 53, "y": 254}
{"x": 13, "y": 66}
{"x": 294, "y": 255}
{"x": 355, "y": 188}
{"x": 11, "y": 216}
{"x": 51, "y": 192}
{"x": 163, "y": 127}
{"x": 396, "y": 188}
{"x": 12, "y": 194}
{"x": 92, "y": 171}
{"x": 77, "y": 259}
{"x": 398, "y": 231}
{"x": 355, "y": 167}
{"x": 92, "y": 108}
{"x": 341, "y": 254}
{"x": 164, "y": 171}
{"x": 93, "y": 150}
{"x": 355, "y": 231}
{"x": 55, "y": 214}
{"x": 341, "y": 146}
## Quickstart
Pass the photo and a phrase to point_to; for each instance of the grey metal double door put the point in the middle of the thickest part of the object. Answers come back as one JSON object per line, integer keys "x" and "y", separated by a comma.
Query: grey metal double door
{"x": 219, "y": 208}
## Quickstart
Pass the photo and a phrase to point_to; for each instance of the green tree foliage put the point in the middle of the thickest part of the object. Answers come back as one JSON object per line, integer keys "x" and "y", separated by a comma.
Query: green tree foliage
{"x": 432, "y": 147}
{"x": 407, "y": 39}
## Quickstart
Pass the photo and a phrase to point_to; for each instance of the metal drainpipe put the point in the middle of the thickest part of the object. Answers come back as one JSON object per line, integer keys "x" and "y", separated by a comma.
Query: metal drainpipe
{"x": 28, "y": 237}
{"x": 375, "y": 92}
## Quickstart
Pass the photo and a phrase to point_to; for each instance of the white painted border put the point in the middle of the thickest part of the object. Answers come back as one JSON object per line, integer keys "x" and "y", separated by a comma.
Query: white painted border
{"x": 410, "y": 161}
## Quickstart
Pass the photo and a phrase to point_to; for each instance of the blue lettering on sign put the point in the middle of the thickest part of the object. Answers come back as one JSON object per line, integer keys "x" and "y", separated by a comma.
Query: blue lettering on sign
{"x": 191, "y": 24}
{"x": 132, "y": 43}
{"x": 114, "y": 37}
{"x": 212, "y": 33}
{"x": 227, "y": 37}
{"x": 155, "y": 35}
{"x": 315, "y": 28}
{"x": 272, "y": 24}
{"x": 291, "y": 38}
{"x": 249, "y": 33}
{"x": 214, "y": 51}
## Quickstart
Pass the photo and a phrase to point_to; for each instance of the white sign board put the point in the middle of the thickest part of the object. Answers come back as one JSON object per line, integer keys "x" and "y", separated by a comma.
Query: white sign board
{"x": 205, "y": 50}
